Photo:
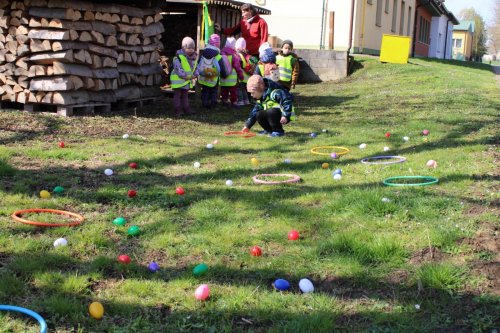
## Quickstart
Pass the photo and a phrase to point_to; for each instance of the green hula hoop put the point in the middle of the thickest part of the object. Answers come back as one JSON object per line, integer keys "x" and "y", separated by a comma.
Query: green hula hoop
{"x": 431, "y": 181}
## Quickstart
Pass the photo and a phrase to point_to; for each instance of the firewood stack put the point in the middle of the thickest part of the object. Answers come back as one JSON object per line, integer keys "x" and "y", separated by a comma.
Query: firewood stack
{"x": 66, "y": 52}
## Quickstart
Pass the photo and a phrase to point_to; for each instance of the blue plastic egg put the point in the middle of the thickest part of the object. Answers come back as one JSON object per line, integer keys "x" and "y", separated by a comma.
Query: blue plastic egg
{"x": 281, "y": 284}
{"x": 313, "y": 135}
{"x": 337, "y": 172}
{"x": 153, "y": 267}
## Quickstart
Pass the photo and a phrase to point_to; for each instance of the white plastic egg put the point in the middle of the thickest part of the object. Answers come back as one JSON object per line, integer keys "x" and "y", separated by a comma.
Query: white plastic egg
{"x": 362, "y": 146}
{"x": 386, "y": 148}
{"x": 337, "y": 176}
{"x": 60, "y": 242}
{"x": 210, "y": 146}
{"x": 108, "y": 172}
{"x": 406, "y": 139}
{"x": 197, "y": 164}
{"x": 229, "y": 182}
{"x": 306, "y": 286}
{"x": 125, "y": 136}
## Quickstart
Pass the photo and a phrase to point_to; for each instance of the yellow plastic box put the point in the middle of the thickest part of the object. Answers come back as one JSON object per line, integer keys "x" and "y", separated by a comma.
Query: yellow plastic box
{"x": 395, "y": 49}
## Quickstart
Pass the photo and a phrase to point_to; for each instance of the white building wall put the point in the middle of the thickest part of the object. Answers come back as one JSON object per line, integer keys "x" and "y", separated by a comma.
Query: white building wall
{"x": 449, "y": 46}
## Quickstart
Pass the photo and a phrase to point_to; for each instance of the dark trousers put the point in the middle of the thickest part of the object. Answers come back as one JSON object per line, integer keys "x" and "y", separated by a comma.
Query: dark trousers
{"x": 270, "y": 120}
{"x": 229, "y": 92}
{"x": 181, "y": 101}
{"x": 209, "y": 96}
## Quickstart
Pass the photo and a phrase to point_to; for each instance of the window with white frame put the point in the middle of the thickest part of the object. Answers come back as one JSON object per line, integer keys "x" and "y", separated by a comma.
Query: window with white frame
{"x": 457, "y": 43}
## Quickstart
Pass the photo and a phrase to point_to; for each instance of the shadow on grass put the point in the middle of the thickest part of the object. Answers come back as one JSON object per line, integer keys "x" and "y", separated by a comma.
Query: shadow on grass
{"x": 467, "y": 64}
{"x": 43, "y": 126}
{"x": 363, "y": 302}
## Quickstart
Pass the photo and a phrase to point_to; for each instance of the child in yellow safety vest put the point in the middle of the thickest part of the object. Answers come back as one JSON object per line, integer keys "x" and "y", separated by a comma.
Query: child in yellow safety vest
{"x": 289, "y": 67}
{"x": 209, "y": 70}
{"x": 182, "y": 76}
{"x": 267, "y": 66}
{"x": 229, "y": 84}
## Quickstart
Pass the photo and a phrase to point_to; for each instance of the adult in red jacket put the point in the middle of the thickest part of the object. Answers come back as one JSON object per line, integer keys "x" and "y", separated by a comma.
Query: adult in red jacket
{"x": 252, "y": 27}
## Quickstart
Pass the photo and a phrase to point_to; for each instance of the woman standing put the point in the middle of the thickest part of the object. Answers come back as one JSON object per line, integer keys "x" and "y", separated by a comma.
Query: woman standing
{"x": 252, "y": 27}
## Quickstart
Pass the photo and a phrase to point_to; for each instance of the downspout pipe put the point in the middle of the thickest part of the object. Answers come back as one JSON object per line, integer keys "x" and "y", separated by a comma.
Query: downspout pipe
{"x": 351, "y": 27}
{"x": 321, "y": 47}
{"x": 446, "y": 38}
{"x": 415, "y": 26}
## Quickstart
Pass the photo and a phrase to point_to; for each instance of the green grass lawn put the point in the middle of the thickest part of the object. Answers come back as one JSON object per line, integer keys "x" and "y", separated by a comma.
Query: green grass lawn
{"x": 425, "y": 261}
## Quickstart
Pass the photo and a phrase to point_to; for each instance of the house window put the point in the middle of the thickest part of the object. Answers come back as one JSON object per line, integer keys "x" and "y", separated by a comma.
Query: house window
{"x": 424, "y": 32}
{"x": 394, "y": 15}
{"x": 457, "y": 43}
{"x": 370, "y": 2}
{"x": 402, "y": 20}
{"x": 387, "y": 6}
{"x": 378, "y": 19}
{"x": 408, "y": 33}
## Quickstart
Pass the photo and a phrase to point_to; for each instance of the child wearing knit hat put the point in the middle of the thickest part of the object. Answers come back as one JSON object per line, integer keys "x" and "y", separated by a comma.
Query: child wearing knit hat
{"x": 183, "y": 73}
{"x": 209, "y": 70}
{"x": 273, "y": 107}
{"x": 289, "y": 68}
{"x": 248, "y": 70}
{"x": 229, "y": 83}
{"x": 267, "y": 66}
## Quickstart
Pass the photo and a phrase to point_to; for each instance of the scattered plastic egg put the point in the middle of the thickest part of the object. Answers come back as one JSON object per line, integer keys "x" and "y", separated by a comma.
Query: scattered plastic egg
{"x": 324, "y": 130}
{"x": 281, "y": 284}
{"x": 44, "y": 194}
{"x": 325, "y": 165}
{"x": 58, "y": 189}
{"x": 215, "y": 142}
{"x": 425, "y": 132}
{"x": 210, "y": 146}
{"x": 61, "y": 144}
{"x": 197, "y": 164}
{"x": 256, "y": 251}
{"x": 432, "y": 164}
{"x": 153, "y": 267}
{"x": 229, "y": 182}
{"x": 254, "y": 161}
{"x": 334, "y": 156}
{"x": 108, "y": 172}
{"x": 180, "y": 191}
{"x": 293, "y": 235}
{"x": 124, "y": 259}
{"x": 313, "y": 135}
{"x": 337, "y": 176}
{"x": 60, "y": 242}
{"x": 337, "y": 171}
{"x": 362, "y": 146}
{"x": 200, "y": 269}
{"x": 133, "y": 165}
{"x": 131, "y": 193}
{"x": 96, "y": 310}
{"x": 121, "y": 221}
{"x": 202, "y": 292}
{"x": 306, "y": 286}
{"x": 386, "y": 200}
{"x": 133, "y": 230}
{"x": 288, "y": 161}
{"x": 387, "y": 148}
{"x": 406, "y": 139}
{"x": 387, "y": 135}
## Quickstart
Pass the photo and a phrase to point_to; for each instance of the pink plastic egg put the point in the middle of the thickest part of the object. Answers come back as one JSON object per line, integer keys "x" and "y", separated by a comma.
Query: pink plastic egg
{"x": 202, "y": 292}
{"x": 432, "y": 164}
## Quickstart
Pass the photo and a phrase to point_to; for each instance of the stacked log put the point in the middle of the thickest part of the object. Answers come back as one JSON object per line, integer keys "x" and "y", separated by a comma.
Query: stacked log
{"x": 74, "y": 52}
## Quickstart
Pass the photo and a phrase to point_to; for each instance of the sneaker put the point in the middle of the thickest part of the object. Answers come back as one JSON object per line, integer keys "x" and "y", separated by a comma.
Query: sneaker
{"x": 263, "y": 132}
{"x": 276, "y": 134}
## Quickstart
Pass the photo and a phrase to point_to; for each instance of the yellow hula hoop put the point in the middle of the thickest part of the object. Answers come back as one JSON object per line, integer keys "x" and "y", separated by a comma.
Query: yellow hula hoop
{"x": 340, "y": 153}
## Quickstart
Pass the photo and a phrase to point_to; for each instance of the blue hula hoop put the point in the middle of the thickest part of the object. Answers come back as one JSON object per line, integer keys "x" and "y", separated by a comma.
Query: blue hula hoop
{"x": 43, "y": 324}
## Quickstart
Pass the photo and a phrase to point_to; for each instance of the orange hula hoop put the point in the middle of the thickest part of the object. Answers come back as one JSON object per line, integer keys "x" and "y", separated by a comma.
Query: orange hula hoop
{"x": 17, "y": 217}
{"x": 245, "y": 135}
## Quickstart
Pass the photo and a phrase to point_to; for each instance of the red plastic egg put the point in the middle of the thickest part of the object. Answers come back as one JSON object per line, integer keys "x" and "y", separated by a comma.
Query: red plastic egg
{"x": 133, "y": 165}
{"x": 387, "y": 134}
{"x": 131, "y": 193}
{"x": 61, "y": 144}
{"x": 256, "y": 251}
{"x": 124, "y": 259}
{"x": 293, "y": 235}
{"x": 180, "y": 191}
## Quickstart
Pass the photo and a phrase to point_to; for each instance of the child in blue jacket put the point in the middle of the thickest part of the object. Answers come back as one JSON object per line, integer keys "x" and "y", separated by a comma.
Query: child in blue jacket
{"x": 273, "y": 107}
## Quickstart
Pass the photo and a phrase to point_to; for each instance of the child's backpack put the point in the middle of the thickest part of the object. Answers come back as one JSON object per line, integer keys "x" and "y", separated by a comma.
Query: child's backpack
{"x": 207, "y": 68}
{"x": 225, "y": 66}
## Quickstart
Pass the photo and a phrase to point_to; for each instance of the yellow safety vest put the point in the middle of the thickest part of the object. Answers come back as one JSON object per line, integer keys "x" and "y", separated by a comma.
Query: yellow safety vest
{"x": 261, "y": 70}
{"x": 176, "y": 80}
{"x": 269, "y": 103}
{"x": 209, "y": 81}
{"x": 246, "y": 76}
{"x": 285, "y": 67}
{"x": 232, "y": 79}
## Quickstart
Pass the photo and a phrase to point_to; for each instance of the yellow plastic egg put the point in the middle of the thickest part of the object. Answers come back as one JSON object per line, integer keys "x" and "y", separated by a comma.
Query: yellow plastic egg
{"x": 44, "y": 194}
{"x": 254, "y": 161}
{"x": 96, "y": 310}
{"x": 325, "y": 165}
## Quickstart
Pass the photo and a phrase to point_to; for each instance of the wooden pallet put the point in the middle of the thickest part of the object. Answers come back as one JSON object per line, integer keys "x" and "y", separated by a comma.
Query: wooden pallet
{"x": 133, "y": 103}
{"x": 69, "y": 110}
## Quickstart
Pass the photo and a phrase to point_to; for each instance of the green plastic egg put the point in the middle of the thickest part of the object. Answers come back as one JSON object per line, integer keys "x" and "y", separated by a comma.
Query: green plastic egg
{"x": 120, "y": 221}
{"x": 200, "y": 269}
{"x": 58, "y": 189}
{"x": 134, "y": 230}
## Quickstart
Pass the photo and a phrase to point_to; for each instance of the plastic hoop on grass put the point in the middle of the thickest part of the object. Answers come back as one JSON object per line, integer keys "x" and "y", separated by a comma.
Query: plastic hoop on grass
{"x": 17, "y": 217}
{"x": 291, "y": 178}
{"x": 245, "y": 135}
{"x": 342, "y": 151}
{"x": 429, "y": 181}
{"x": 395, "y": 160}
{"x": 41, "y": 321}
